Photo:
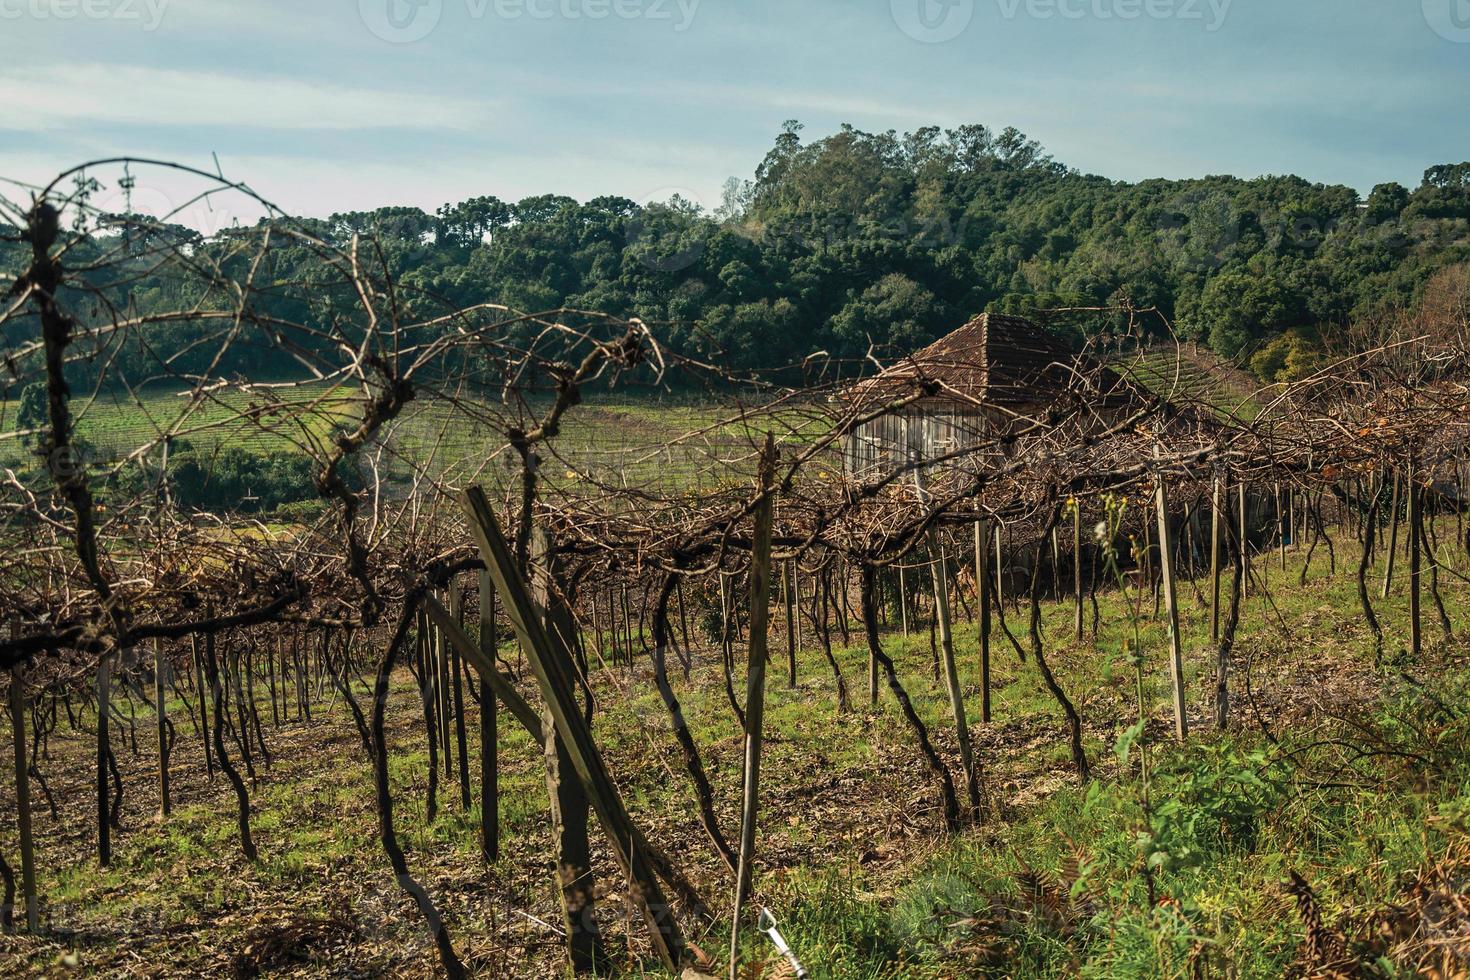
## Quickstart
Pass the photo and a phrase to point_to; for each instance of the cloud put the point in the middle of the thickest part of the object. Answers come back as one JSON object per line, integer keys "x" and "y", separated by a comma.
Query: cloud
{"x": 66, "y": 95}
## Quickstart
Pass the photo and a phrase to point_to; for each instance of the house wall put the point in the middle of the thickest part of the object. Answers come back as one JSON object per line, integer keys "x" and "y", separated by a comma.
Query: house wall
{"x": 895, "y": 440}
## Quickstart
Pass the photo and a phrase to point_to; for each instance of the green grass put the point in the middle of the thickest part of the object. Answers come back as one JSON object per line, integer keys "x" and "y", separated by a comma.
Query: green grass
{"x": 853, "y": 862}
{"x": 658, "y": 444}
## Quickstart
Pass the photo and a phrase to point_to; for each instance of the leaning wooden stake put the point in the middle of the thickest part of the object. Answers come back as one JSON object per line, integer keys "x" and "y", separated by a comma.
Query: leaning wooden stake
{"x": 629, "y": 847}
{"x": 18, "y": 715}
{"x": 1171, "y": 607}
{"x": 755, "y": 692}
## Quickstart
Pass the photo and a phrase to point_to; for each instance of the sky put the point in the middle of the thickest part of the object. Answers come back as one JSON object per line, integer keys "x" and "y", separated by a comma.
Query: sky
{"x": 333, "y": 105}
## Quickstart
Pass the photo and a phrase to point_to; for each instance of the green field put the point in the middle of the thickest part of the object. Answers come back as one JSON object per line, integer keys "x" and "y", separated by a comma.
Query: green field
{"x": 655, "y": 443}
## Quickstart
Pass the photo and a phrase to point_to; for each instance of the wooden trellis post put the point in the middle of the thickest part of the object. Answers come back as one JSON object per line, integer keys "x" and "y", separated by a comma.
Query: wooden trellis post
{"x": 489, "y": 737}
{"x": 1280, "y": 528}
{"x": 1416, "y": 517}
{"x": 104, "y": 708}
{"x": 1217, "y": 502}
{"x": 446, "y": 708}
{"x": 18, "y": 715}
{"x": 1077, "y": 567}
{"x": 629, "y": 847}
{"x": 1000, "y": 582}
{"x": 903, "y": 605}
{"x": 951, "y": 674}
{"x": 755, "y": 693}
{"x": 786, "y": 591}
{"x": 456, "y": 610}
{"x": 1171, "y": 606}
{"x": 982, "y": 599}
{"x": 1245, "y": 546}
{"x": 162, "y": 711}
{"x": 567, "y": 795}
{"x": 1393, "y": 540}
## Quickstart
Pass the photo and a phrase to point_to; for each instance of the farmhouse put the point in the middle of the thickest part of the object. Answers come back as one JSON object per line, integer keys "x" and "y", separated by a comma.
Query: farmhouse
{"x": 995, "y": 375}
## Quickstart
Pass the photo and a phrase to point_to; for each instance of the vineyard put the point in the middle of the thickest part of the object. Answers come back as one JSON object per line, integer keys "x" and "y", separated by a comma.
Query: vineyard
{"x": 1003, "y": 660}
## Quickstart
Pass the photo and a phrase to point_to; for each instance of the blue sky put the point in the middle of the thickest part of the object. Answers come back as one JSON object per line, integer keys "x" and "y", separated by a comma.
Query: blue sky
{"x": 328, "y": 105}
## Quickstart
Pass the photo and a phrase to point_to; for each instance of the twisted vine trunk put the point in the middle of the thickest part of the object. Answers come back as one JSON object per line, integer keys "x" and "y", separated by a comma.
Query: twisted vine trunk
{"x": 242, "y": 796}
{"x": 948, "y": 800}
{"x": 1074, "y": 720}
{"x": 693, "y": 764}
{"x": 453, "y": 968}
{"x": 1370, "y": 525}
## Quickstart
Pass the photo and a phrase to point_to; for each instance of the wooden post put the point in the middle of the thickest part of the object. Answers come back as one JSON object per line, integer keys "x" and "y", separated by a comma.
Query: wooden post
{"x": 442, "y": 685}
{"x": 1077, "y": 567}
{"x": 1171, "y": 607}
{"x": 159, "y": 664}
{"x": 790, "y": 625}
{"x": 18, "y": 714}
{"x": 903, "y": 605}
{"x": 1416, "y": 517}
{"x": 951, "y": 674}
{"x": 1056, "y": 565}
{"x": 1393, "y": 541}
{"x": 629, "y": 847}
{"x": 461, "y": 738}
{"x": 567, "y": 794}
{"x": 1245, "y": 543}
{"x": 489, "y": 738}
{"x": 104, "y": 809}
{"x": 1000, "y": 582}
{"x": 1280, "y": 529}
{"x": 982, "y": 599}
{"x": 1217, "y": 527}
{"x": 755, "y": 692}
{"x": 199, "y": 682}
{"x": 796, "y": 598}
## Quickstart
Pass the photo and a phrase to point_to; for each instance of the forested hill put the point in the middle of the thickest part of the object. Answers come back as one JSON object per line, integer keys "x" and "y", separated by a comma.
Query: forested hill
{"x": 893, "y": 240}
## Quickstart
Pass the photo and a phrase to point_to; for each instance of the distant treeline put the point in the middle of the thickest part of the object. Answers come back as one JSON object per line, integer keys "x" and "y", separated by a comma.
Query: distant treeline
{"x": 886, "y": 241}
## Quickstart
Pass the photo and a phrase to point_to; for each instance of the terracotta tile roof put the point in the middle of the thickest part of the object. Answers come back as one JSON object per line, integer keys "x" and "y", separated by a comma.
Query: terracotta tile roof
{"x": 995, "y": 358}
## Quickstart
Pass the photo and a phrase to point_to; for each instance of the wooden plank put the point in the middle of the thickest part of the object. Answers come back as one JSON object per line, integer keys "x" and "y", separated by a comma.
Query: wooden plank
{"x": 629, "y": 846}
{"x": 1171, "y": 605}
{"x": 486, "y": 668}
